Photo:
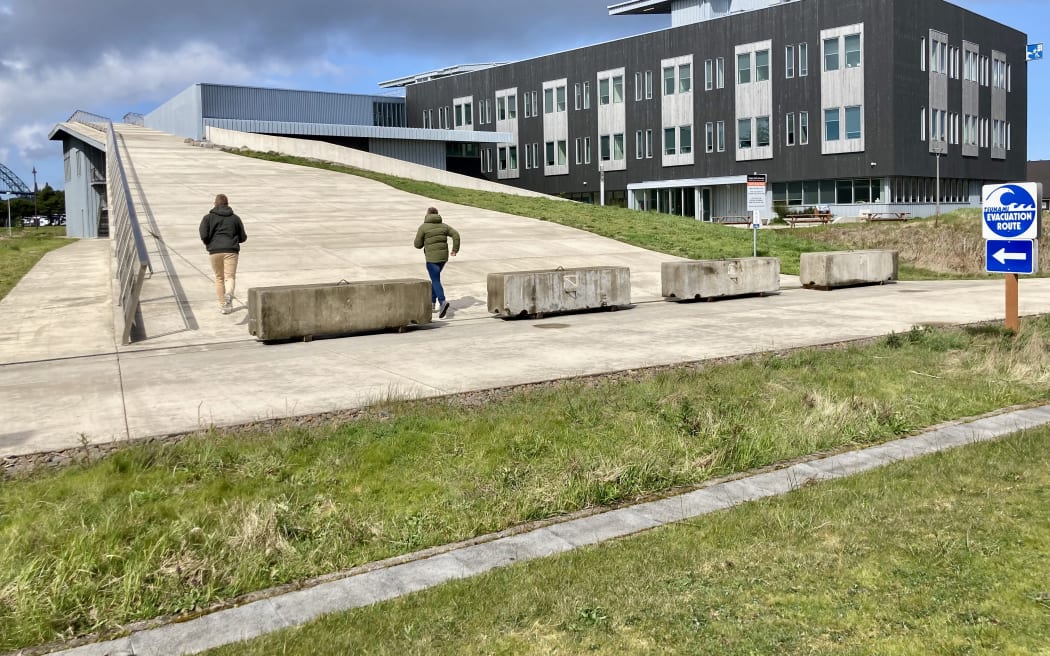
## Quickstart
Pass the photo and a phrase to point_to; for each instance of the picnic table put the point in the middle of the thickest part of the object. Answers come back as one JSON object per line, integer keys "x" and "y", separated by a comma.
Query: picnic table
{"x": 886, "y": 216}
{"x": 819, "y": 217}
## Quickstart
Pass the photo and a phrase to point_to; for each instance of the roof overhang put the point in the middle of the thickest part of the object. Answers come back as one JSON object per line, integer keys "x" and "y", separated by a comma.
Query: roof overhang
{"x": 689, "y": 182}
{"x": 88, "y": 135}
{"x": 640, "y": 7}
{"x": 286, "y": 128}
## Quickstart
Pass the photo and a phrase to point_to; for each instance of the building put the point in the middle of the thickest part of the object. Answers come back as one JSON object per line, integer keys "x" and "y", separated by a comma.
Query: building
{"x": 1039, "y": 171}
{"x": 855, "y": 104}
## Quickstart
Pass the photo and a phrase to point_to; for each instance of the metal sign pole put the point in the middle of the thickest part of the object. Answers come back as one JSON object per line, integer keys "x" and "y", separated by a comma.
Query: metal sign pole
{"x": 9, "y": 217}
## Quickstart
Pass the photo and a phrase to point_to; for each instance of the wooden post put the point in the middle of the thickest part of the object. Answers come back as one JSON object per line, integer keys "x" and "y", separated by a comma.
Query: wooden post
{"x": 1012, "y": 321}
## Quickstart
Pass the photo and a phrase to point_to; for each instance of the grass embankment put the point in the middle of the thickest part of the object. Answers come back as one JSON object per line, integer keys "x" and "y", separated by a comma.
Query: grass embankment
{"x": 165, "y": 528}
{"x": 942, "y": 555}
{"x": 23, "y": 250}
{"x": 674, "y": 235}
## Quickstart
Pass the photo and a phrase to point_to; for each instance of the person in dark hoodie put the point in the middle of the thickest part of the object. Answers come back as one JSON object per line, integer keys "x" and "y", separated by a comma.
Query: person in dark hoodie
{"x": 223, "y": 233}
{"x": 432, "y": 237}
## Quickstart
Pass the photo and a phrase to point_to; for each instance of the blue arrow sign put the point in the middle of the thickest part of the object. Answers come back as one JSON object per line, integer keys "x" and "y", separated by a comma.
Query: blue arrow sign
{"x": 1035, "y": 51}
{"x": 1010, "y": 256}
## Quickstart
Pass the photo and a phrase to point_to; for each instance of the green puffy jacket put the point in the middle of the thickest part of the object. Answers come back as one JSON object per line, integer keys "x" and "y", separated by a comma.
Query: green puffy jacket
{"x": 433, "y": 236}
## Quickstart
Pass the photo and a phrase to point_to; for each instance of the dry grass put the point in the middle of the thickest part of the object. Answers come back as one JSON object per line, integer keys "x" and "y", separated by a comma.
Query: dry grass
{"x": 952, "y": 245}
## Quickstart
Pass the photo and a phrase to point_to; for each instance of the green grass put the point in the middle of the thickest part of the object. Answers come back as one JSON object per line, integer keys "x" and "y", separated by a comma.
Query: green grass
{"x": 168, "y": 528}
{"x": 23, "y": 250}
{"x": 941, "y": 555}
{"x": 674, "y": 235}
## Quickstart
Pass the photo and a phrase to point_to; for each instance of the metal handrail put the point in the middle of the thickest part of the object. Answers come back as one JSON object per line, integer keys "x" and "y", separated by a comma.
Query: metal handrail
{"x": 93, "y": 120}
{"x": 131, "y": 254}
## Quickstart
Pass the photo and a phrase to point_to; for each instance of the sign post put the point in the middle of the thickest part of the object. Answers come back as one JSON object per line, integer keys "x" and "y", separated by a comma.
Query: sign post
{"x": 1010, "y": 225}
{"x": 756, "y": 202}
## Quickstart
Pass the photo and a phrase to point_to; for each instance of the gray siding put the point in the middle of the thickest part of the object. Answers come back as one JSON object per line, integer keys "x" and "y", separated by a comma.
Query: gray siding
{"x": 220, "y": 101}
{"x": 181, "y": 115}
{"x": 84, "y": 165}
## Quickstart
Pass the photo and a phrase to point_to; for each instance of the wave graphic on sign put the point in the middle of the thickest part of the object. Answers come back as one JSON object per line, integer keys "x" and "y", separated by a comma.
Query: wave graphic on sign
{"x": 1011, "y": 198}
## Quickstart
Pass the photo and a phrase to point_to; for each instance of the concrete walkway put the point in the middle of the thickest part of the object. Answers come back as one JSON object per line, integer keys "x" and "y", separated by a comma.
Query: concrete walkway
{"x": 397, "y": 577}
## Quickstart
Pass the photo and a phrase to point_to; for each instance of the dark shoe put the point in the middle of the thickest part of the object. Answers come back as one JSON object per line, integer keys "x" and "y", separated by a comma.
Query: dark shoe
{"x": 444, "y": 310}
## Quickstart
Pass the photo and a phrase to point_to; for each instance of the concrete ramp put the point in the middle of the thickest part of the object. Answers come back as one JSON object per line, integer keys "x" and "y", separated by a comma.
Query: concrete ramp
{"x": 309, "y": 226}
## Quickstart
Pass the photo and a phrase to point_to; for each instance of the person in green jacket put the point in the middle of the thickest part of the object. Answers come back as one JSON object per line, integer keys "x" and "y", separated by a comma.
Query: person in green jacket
{"x": 223, "y": 233}
{"x": 432, "y": 237}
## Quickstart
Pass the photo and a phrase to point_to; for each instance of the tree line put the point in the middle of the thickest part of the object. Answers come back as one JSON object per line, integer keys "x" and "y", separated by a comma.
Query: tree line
{"x": 49, "y": 202}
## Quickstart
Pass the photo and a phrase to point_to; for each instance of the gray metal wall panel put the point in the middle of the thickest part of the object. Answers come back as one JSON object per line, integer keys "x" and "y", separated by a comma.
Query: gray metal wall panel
{"x": 181, "y": 115}
{"x": 229, "y": 102}
{"x": 82, "y": 199}
{"x": 366, "y": 131}
{"x": 427, "y": 153}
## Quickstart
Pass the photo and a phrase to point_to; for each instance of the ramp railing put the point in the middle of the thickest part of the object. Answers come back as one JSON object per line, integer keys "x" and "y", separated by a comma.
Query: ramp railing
{"x": 129, "y": 246}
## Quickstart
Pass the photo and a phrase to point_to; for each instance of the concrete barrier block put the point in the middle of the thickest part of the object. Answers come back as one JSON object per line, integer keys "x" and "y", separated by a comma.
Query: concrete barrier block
{"x": 293, "y": 311}
{"x": 704, "y": 279}
{"x": 535, "y": 293}
{"x": 847, "y": 268}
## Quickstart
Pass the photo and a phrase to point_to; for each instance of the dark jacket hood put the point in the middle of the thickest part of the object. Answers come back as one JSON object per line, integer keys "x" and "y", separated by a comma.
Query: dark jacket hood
{"x": 432, "y": 218}
{"x": 222, "y": 210}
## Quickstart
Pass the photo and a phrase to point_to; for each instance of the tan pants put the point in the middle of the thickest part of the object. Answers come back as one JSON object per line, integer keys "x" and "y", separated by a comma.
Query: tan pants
{"x": 225, "y": 267}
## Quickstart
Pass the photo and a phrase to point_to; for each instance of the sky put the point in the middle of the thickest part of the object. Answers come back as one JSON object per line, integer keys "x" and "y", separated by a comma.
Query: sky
{"x": 111, "y": 57}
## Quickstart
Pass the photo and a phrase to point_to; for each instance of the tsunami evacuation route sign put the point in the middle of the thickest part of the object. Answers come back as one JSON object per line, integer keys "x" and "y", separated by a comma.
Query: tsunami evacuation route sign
{"x": 1011, "y": 211}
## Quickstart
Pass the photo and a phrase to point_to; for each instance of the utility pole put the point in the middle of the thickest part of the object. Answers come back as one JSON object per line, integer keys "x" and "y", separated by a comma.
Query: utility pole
{"x": 36, "y": 212}
{"x": 937, "y": 153}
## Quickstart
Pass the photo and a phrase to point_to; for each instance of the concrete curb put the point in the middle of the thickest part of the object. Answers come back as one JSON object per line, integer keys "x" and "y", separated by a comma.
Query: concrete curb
{"x": 428, "y": 570}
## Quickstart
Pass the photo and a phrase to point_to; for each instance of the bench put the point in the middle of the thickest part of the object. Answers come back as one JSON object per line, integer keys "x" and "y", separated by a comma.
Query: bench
{"x": 551, "y": 291}
{"x": 886, "y": 216}
{"x": 731, "y": 220}
{"x": 819, "y": 217}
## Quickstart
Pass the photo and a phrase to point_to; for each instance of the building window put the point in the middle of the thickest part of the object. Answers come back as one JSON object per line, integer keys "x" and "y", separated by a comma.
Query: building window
{"x": 528, "y": 103}
{"x": 853, "y": 123}
{"x": 762, "y": 131}
{"x": 831, "y": 124}
{"x": 617, "y": 89}
{"x": 803, "y": 128}
{"x": 579, "y": 151}
{"x": 639, "y": 144}
{"x": 852, "y": 48}
{"x": 648, "y": 85}
{"x": 789, "y": 129}
{"x": 922, "y": 55}
{"x": 548, "y": 101}
{"x": 560, "y": 93}
{"x": 638, "y": 89}
{"x": 618, "y": 146}
{"x": 685, "y": 139}
{"x": 709, "y": 74}
{"x": 709, "y": 137}
{"x": 501, "y": 108}
{"x": 803, "y": 59}
{"x": 549, "y": 146}
{"x": 459, "y": 115}
{"x": 831, "y": 54}
{"x": 528, "y": 157}
{"x": 669, "y": 143}
{"x": 604, "y": 143}
{"x": 720, "y": 136}
{"x": 603, "y": 91}
{"x": 586, "y": 150}
{"x": 648, "y": 144}
{"x": 512, "y": 106}
{"x": 426, "y": 119}
{"x": 502, "y": 158}
{"x": 743, "y": 131}
{"x": 789, "y": 62}
{"x": 720, "y": 73}
{"x": 669, "y": 80}
{"x": 743, "y": 68}
{"x": 578, "y": 92}
{"x": 922, "y": 122}
{"x": 586, "y": 95}
{"x": 761, "y": 66}
{"x": 685, "y": 78}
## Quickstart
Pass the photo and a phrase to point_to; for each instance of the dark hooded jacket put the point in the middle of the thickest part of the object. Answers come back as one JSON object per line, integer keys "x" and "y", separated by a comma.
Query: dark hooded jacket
{"x": 222, "y": 231}
{"x": 433, "y": 236}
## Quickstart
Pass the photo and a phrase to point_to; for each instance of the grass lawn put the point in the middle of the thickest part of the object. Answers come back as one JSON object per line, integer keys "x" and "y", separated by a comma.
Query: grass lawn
{"x": 941, "y": 555}
{"x": 675, "y": 235}
{"x": 23, "y": 250}
{"x": 168, "y": 528}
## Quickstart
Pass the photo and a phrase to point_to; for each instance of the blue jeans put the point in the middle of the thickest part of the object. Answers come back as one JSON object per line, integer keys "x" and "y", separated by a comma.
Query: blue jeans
{"x": 437, "y": 292}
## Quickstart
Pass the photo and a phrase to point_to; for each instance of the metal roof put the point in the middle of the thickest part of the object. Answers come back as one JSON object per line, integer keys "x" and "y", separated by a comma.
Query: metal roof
{"x": 441, "y": 72}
